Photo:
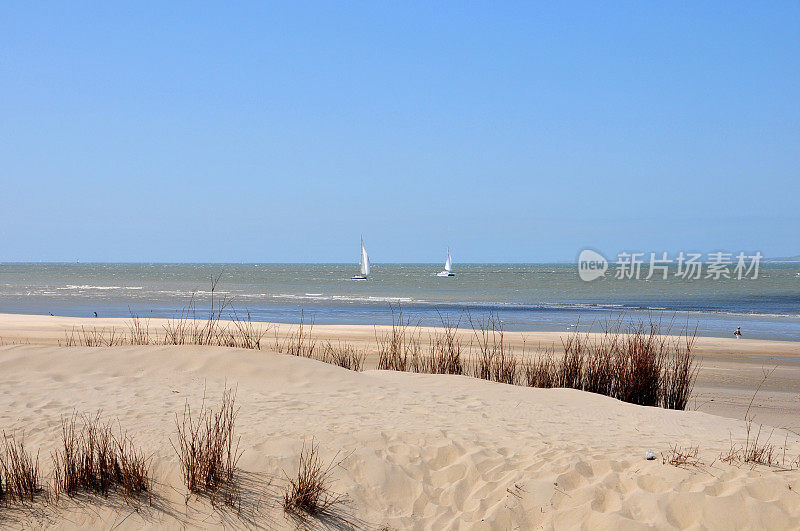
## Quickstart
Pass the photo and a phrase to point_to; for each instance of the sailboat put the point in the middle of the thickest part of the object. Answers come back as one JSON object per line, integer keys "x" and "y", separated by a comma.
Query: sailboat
{"x": 364, "y": 264}
{"x": 448, "y": 267}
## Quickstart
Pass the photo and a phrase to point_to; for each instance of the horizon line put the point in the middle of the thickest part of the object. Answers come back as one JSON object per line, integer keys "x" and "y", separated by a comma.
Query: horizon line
{"x": 789, "y": 260}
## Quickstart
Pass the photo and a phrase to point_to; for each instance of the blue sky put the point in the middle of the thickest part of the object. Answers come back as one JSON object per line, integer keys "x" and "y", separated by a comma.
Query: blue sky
{"x": 134, "y": 131}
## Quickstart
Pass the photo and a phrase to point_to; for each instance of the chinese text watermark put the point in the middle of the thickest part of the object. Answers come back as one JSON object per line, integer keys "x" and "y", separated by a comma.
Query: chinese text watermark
{"x": 661, "y": 266}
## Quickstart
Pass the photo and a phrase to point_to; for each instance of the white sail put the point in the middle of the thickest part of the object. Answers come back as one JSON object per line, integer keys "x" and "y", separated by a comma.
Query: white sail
{"x": 448, "y": 267}
{"x": 364, "y": 260}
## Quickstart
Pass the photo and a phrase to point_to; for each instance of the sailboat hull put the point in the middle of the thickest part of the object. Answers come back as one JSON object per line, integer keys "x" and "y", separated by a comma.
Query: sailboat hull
{"x": 358, "y": 277}
{"x": 445, "y": 274}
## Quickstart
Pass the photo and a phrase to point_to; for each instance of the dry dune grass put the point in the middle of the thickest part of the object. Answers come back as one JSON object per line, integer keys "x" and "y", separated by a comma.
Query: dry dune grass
{"x": 300, "y": 343}
{"x": 343, "y": 355}
{"x": 94, "y": 459}
{"x": 682, "y": 456}
{"x": 757, "y": 450}
{"x": 208, "y": 449}
{"x": 19, "y": 471}
{"x": 541, "y": 371}
{"x": 392, "y": 462}
{"x": 641, "y": 364}
{"x": 399, "y": 349}
{"x": 138, "y": 330}
{"x": 94, "y": 337}
{"x": 445, "y": 354}
{"x": 187, "y": 329}
{"x": 495, "y": 360}
{"x": 224, "y": 327}
{"x": 309, "y": 490}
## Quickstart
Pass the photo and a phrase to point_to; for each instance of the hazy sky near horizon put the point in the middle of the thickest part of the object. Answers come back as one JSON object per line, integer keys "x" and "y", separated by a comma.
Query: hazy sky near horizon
{"x": 264, "y": 132}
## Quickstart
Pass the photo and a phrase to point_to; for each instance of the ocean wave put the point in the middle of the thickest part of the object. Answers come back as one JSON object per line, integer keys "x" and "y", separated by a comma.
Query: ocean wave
{"x": 618, "y": 308}
{"x": 347, "y": 298}
{"x": 250, "y": 295}
{"x": 118, "y": 294}
{"x": 83, "y": 287}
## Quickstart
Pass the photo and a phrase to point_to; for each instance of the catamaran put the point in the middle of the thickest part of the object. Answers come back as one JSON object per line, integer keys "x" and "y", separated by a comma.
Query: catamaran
{"x": 448, "y": 267}
{"x": 364, "y": 264}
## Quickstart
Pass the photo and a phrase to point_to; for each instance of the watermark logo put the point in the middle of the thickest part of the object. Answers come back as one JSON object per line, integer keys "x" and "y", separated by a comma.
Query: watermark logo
{"x": 687, "y": 266}
{"x": 591, "y": 265}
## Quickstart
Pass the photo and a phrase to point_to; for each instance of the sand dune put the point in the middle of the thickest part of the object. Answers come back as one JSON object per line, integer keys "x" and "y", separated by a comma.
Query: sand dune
{"x": 730, "y": 372}
{"x": 42, "y": 329}
{"x": 422, "y": 451}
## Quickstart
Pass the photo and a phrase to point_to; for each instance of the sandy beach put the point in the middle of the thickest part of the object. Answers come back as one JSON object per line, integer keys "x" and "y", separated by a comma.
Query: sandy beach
{"x": 731, "y": 369}
{"x": 416, "y": 450}
{"x": 400, "y": 266}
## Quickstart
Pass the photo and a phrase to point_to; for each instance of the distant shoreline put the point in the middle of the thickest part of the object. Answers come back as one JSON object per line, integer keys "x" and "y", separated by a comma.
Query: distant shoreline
{"x": 51, "y": 328}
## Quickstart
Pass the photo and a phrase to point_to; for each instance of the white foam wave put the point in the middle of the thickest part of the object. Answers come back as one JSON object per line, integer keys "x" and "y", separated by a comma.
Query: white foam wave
{"x": 83, "y": 287}
{"x": 344, "y": 298}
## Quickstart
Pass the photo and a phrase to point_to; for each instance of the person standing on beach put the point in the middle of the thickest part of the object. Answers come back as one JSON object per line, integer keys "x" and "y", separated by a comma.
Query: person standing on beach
{"x": 738, "y": 332}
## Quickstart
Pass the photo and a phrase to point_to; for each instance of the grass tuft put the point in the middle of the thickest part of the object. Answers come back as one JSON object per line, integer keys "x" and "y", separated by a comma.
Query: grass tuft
{"x": 495, "y": 360}
{"x": 344, "y": 355}
{"x": 207, "y": 448}
{"x": 682, "y": 457}
{"x": 300, "y": 343}
{"x": 19, "y": 471}
{"x": 309, "y": 491}
{"x": 399, "y": 349}
{"x": 642, "y": 365}
{"x": 93, "y": 459}
{"x": 445, "y": 355}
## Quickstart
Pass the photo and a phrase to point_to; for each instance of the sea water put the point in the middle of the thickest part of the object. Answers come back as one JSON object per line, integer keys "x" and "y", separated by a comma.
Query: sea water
{"x": 524, "y": 296}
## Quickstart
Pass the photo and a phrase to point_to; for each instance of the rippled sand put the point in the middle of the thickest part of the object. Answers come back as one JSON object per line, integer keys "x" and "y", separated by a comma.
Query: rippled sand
{"x": 420, "y": 451}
